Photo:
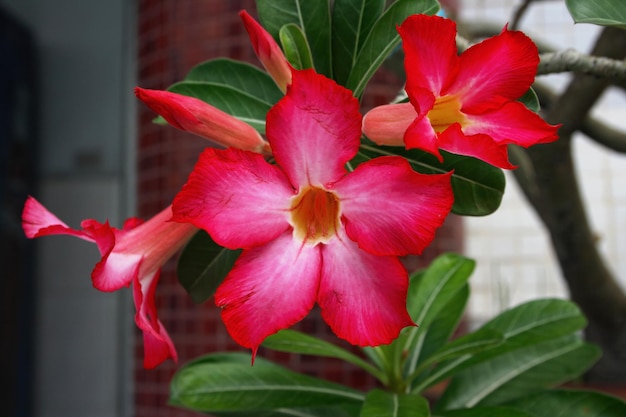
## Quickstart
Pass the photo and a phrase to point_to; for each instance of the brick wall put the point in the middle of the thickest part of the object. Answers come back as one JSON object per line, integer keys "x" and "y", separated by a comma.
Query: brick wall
{"x": 174, "y": 36}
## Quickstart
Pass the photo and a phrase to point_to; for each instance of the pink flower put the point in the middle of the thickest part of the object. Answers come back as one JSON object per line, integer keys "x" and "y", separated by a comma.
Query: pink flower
{"x": 310, "y": 230}
{"x": 132, "y": 255}
{"x": 268, "y": 51}
{"x": 195, "y": 116}
{"x": 462, "y": 104}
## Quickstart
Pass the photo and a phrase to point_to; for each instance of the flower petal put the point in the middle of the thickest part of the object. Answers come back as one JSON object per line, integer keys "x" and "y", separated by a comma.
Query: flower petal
{"x": 512, "y": 123}
{"x": 421, "y": 135}
{"x": 237, "y": 197}
{"x": 270, "y": 288}
{"x": 38, "y": 221}
{"x": 498, "y": 69}
{"x": 268, "y": 51}
{"x": 385, "y": 125}
{"x": 363, "y": 296}
{"x": 389, "y": 209}
{"x": 157, "y": 344}
{"x": 430, "y": 57}
{"x": 314, "y": 130}
{"x": 195, "y": 116}
{"x": 479, "y": 146}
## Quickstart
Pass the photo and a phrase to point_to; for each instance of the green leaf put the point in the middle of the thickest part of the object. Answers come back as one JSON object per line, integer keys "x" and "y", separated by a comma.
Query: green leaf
{"x": 519, "y": 372}
{"x": 352, "y": 22}
{"x": 570, "y": 403}
{"x": 531, "y": 101}
{"x": 240, "y": 76}
{"x": 380, "y": 403}
{"x": 231, "y": 100}
{"x": 525, "y": 325}
{"x": 382, "y": 39}
{"x": 296, "y": 47}
{"x": 485, "y": 412}
{"x": 599, "y": 12}
{"x": 296, "y": 342}
{"x": 313, "y": 17}
{"x": 203, "y": 265}
{"x": 344, "y": 410}
{"x": 478, "y": 187}
{"x": 225, "y": 382}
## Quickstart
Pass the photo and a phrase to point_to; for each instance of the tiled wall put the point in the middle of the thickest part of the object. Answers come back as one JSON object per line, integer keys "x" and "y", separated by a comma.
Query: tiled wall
{"x": 514, "y": 257}
{"x": 175, "y": 35}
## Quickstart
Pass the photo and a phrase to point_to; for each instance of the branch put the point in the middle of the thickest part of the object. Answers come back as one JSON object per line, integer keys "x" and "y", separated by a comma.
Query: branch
{"x": 519, "y": 13}
{"x": 572, "y": 60}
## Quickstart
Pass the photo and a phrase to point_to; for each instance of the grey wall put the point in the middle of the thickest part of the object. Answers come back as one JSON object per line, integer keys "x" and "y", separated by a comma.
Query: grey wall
{"x": 83, "y": 349}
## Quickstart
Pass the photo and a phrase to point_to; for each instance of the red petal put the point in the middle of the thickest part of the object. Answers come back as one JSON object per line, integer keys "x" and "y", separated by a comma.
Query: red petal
{"x": 430, "y": 54}
{"x": 513, "y": 123}
{"x": 478, "y": 146}
{"x": 270, "y": 288}
{"x": 421, "y": 135}
{"x": 157, "y": 344}
{"x": 363, "y": 296}
{"x": 314, "y": 130}
{"x": 389, "y": 209}
{"x": 498, "y": 69}
{"x": 38, "y": 221}
{"x": 237, "y": 197}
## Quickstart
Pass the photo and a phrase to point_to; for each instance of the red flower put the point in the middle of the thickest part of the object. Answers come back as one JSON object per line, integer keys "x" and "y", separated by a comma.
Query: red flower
{"x": 310, "y": 230}
{"x": 132, "y": 255}
{"x": 462, "y": 104}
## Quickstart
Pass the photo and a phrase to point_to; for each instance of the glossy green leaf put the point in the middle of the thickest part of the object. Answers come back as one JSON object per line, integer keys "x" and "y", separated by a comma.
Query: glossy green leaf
{"x": 352, "y": 21}
{"x": 485, "y": 412}
{"x": 203, "y": 265}
{"x": 225, "y": 382}
{"x": 531, "y": 323}
{"x": 313, "y": 17}
{"x": 570, "y": 403}
{"x": 296, "y": 342}
{"x": 599, "y": 12}
{"x": 382, "y": 39}
{"x": 295, "y": 46}
{"x": 429, "y": 292}
{"x": 531, "y": 101}
{"x": 233, "y": 101}
{"x": 519, "y": 372}
{"x": 380, "y": 403}
{"x": 478, "y": 187}
{"x": 240, "y": 76}
{"x": 431, "y": 338}
{"x": 344, "y": 410}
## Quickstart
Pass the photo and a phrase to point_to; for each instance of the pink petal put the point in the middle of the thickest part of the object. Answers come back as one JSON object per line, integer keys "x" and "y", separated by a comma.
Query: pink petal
{"x": 195, "y": 116}
{"x": 363, "y": 296}
{"x": 498, "y": 69}
{"x": 421, "y": 135}
{"x": 37, "y": 221}
{"x": 270, "y": 288}
{"x": 389, "y": 209}
{"x": 268, "y": 51}
{"x": 430, "y": 54}
{"x": 479, "y": 146}
{"x": 314, "y": 130}
{"x": 385, "y": 125}
{"x": 157, "y": 344}
{"x": 237, "y": 197}
{"x": 513, "y": 123}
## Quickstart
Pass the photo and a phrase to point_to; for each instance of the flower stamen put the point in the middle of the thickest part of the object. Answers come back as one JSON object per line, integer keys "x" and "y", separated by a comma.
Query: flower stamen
{"x": 315, "y": 215}
{"x": 446, "y": 112}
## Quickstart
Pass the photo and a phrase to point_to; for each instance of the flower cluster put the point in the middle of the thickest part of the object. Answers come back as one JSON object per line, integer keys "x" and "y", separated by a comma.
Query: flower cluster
{"x": 312, "y": 229}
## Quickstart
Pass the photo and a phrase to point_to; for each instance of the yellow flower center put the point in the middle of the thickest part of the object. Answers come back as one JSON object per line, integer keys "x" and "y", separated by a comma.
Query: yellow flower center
{"x": 445, "y": 112}
{"x": 315, "y": 215}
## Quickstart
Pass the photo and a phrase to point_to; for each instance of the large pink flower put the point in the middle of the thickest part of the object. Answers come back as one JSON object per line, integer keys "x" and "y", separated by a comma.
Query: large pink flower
{"x": 310, "y": 230}
{"x": 132, "y": 255}
{"x": 462, "y": 104}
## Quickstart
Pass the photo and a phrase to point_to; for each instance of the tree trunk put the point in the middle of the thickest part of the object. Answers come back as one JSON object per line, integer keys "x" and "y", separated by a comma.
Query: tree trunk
{"x": 548, "y": 178}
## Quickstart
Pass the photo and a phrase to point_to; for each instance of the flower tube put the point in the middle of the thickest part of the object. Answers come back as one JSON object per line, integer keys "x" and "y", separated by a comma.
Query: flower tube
{"x": 132, "y": 255}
